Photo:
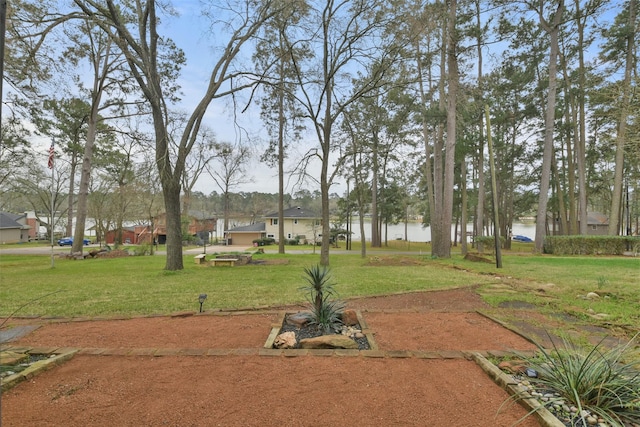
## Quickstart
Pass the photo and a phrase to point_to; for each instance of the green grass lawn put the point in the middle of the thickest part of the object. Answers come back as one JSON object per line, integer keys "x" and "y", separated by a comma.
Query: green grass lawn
{"x": 140, "y": 285}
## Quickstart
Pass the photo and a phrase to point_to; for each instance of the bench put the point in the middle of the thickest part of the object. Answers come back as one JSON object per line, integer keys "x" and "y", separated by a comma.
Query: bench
{"x": 230, "y": 262}
{"x": 200, "y": 259}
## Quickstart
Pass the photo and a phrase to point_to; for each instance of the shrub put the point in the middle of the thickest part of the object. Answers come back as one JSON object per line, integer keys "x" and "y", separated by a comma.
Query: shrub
{"x": 265, "y": 241}
{"x": 590, "y": 245}
{"x": 141, "y": 250}
{"x": 488, "y": 242}
{"x": 325, "y": 313}
{"x": 597, "y": 380}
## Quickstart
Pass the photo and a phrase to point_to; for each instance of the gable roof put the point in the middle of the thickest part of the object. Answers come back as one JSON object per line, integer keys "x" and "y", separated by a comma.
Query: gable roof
{"x": 252, "y": 228}
{"x": 295, "y": 212}
{"x": 9, "y": 220}
{"x": 597, "y": 218}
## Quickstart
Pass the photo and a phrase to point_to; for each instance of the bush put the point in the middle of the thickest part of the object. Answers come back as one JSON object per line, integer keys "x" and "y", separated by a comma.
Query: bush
{"x": 488, "y": 242}
{"x": 265, "y": 242}
{"x": 590, "y": 245}
{"x": 596, "y": 380}
{"x": 140, "y": 250}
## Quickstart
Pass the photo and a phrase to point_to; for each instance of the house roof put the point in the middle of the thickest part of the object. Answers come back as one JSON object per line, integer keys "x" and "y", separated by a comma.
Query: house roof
{"x": 596, "y": 218}
{"x": 201, "y": 215}
{"x": 295, "y": 212}
{"x": 9, "y": 220}
{"x": 252, "y": 228}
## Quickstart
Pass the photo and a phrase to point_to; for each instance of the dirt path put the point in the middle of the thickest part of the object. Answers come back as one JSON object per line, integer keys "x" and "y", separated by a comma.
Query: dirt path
{"x": 416, "y": 378}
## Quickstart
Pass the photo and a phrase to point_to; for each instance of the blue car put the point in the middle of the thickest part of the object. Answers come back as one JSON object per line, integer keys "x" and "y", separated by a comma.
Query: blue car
{"x": 68, "y": 241}
{"x": 524, "y": 239}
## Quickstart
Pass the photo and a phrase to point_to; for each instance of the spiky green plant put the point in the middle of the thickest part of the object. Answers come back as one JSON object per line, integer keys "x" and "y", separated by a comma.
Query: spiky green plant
{"x": 603, "y": 282}
{"x": 600, "y": 380}
{"x": 326, "y": 312}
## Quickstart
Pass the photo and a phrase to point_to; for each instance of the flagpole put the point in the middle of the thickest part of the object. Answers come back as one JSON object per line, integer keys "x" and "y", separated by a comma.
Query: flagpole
{"x": 52, "y": 228}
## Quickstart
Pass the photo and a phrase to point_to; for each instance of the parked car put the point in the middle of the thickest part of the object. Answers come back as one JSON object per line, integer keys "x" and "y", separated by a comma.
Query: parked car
{"x": 68, "y": 241}
{"x": 523, "y": 239}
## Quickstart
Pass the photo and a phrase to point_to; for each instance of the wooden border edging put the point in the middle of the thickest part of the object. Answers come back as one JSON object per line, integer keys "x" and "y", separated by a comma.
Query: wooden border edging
{"x": 546, "y": 418}
{"x": 36, "y": 368}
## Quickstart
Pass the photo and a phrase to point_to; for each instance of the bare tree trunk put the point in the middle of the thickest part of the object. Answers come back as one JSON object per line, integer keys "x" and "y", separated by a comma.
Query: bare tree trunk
{"x": 281, "y": 158}
{"x": 570, "y": 137}
{"x": 361, "y": 212}
{"x": 616, "y": 198}
{"x": 427, "y": 147}
{"x": 71, "y": 197}
{"x": 480, "y": 164}
{"x": 437, "y": 225}
{"x": 543, "y": 197}
{"x": 375, "y": 233}
{"x": 85, "y": 173}
{"x": 581, "y": 160}
{"x": 450, "y": 146}
{"x": 463, "y": 215}
{"x": 324, "y": 178}
{"x": 562, "y": 213}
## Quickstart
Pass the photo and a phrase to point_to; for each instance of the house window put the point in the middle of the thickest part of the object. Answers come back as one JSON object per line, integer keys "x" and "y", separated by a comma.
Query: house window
{"x": 317, "y": 222}
{"x": 274, "y": 221}
{"x": 271, "y": 236}
{"x": 295, "y": 221}
{"x": 288, "y": 235}
{"x": 594, "y": 227}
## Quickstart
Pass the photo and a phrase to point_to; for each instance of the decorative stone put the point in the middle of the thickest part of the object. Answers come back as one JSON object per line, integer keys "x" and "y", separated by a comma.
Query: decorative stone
{"x": 297, "y": 319}
{"x": 592, "y": 295}
{"x": 513, "y": 366}
{"x": 285, "y": 340}
{"x": 12, "y": 358}
{"x": 329, "y": 341}
{"x": 350, "y": 317}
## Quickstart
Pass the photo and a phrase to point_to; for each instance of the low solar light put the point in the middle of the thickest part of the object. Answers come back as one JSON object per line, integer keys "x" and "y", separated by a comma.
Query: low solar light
{"x": 201, "y": 299}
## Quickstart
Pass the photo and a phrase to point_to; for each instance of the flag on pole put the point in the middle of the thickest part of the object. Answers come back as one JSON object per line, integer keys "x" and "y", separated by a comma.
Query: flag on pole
{"x": 52, "y": 151}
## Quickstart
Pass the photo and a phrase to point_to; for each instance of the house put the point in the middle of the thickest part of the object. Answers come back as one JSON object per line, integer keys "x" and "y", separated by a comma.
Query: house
{"x": 246, "y": 234}
{"x": 134, "y": 235}
{"x": 299, "y": 223}
{"x": 597, "y": 224}
{"x": 13, "y": 228}
{"x": 199, "y": 224}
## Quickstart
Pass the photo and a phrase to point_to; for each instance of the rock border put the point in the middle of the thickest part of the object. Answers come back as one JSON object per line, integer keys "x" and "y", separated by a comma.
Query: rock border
{"x": 531, "y": 404}
{"x": 275, "y": 330}
{"x": 36, "y": 368}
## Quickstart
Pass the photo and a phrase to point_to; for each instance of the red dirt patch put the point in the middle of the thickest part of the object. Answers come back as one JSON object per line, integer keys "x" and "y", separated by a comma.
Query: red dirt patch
{"x": 281, "y": 390}
{"x": 201, "y": 331}
{"x": 442, "y": 331}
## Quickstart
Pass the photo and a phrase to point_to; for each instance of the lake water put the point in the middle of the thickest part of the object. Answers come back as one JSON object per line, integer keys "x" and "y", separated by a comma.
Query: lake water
{"x": 417, "y": 233}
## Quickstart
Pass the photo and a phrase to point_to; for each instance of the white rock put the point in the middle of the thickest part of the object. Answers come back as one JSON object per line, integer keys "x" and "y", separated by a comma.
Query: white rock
{"x": 592, "y": 295}
{"x": 285, "y": 340}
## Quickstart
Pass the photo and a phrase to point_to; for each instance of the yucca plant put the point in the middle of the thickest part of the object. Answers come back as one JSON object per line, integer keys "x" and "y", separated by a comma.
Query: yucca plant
{"x": 599, "y": 380}
{"x": 325, "y": 313}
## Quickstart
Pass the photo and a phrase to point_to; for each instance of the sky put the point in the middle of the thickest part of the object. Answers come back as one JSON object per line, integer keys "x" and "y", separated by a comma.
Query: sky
{"x": 190, "y": 33}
